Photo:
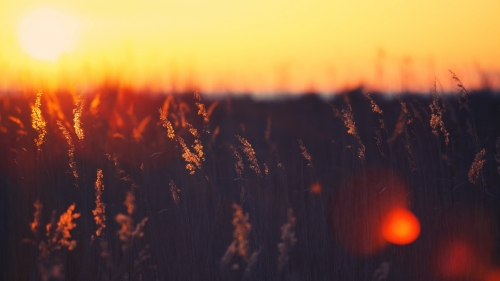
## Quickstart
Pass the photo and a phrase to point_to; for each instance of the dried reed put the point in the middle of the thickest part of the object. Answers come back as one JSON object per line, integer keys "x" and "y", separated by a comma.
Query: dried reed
{"x": 348, "y": 118}
{"x": 193, "y": 160}
{"x": 238, "y": 166}
{"x": 437, "y": 117}
{"x": 71, "y": 148}
{"x": 477, "y": 166}
{"x": 202, "y": 111}
{"x": 100, "y": 208}
{"x": 37, "y": 121}
{"x": 77, "y": 116}
{"x": 250, "y": 153}
{"x": 37, "y": 217}
{"x": 175, "y": 192}
{"x": 464, "y": 103}
{"x": 58, "y": 234}
{"x": 305, "y": 153}
{"x": 288, "y": 240}
{"x": 240, "y": 244}
{"x": 167, "y": 124}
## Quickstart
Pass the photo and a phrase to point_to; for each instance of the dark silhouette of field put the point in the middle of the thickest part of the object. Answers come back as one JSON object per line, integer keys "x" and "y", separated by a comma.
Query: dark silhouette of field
{"x": 451, "y": 186}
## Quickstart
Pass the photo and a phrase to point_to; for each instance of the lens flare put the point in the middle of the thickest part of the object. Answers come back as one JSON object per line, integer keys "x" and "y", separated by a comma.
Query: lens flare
{"x": 400, "y": 227}
{"x": 493, "y": 275}
{"x": 316, "y": 188}
{"x": 361, "y": 205}
{"x": 457, "y": 259}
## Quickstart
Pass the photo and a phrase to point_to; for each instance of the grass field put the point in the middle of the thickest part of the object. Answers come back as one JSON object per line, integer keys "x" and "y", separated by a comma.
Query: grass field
{"x": 116, "y": 185}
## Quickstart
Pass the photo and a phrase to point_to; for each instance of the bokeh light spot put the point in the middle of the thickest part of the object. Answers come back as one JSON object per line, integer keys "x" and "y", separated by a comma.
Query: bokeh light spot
{"x": 316, "y": 188}
{"x": 401, "y": 227}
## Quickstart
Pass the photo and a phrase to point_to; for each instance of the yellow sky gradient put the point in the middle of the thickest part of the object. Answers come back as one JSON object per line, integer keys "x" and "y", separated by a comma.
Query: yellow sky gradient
{"x": 261, "y": 46}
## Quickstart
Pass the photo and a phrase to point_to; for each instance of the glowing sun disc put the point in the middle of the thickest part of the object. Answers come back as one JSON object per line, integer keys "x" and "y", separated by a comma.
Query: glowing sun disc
{"x": 47, "y": 33}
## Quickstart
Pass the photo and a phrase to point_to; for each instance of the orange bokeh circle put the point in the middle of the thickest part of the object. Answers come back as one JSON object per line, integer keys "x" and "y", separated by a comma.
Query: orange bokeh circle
{"x": 457, "y": 259}
{"x": 400, "y": 227}
{"x": 493, "y": 275}
{"x": 360, "y": 206}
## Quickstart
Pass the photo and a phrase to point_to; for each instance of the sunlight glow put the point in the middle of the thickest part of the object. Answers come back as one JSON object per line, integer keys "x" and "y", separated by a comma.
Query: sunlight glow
{"x": 401, "y": 227}
{"x": 46, "y": 33}
{"x": 249, "y": 46}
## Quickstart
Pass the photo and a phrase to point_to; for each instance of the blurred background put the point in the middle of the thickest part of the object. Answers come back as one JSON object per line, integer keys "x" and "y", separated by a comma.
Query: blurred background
{"x": 250, "y": 46}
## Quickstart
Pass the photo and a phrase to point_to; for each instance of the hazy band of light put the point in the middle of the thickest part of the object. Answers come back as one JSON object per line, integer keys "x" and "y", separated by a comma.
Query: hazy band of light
{"x": 263, "y": 46}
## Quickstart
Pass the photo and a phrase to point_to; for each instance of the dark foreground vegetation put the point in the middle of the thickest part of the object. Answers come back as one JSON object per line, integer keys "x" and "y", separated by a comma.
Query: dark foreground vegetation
{"x": 112, "y": 188}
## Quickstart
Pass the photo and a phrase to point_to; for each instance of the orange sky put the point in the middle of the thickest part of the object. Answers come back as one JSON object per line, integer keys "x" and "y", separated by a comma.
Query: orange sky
{"x": 260, "y": 46}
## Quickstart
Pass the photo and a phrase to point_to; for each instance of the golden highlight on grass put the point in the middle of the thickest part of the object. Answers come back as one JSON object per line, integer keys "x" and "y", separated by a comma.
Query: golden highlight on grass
{"x": 137, "y": 131}
{"x": 166, "y": 104}
{"x": 437, "y": 117}
{"x": 477, "y": 166}
{"x": 167, "y": 124}
{"x": 183, "y": 108}
{"x": 192, "y": 130}
{"x": 374, "y": 106}
{"x": 197, "y": 146}
{"x": 250, "y": 153}
{"x": 37, "y": 217}
{"x": 242, "y": 228}
{"x": 126, "y": 228}
{"x": 404, "y": 108}
{"x": 37, "y": 121}
{"x": 3, "y": 129}
{"x": 202, "y": 111}
{"x": 193, "y": 160}
{"x": 378, "y": 134}
{"x": 212, "y": 107}
{"x": 77, "y": 116}
{"x": 348, "y": 119}
{"x": 130, "y": 202}
{"x": 58, "y": 235}
{"x": 100, "y": 208}
{"x": 288, "y": 240}
{"x": 65, "y": 225}
{"x": 71, "y": 148}
{"x": 240, "y": 244}
{"x": 54, "y": 108}
{"x": 94, "y": 104}
{"x": 16, "y": 120}
{"x": 305, "y": 153}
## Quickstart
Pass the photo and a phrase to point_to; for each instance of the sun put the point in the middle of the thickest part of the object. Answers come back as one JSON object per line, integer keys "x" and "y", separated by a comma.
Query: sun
{"x": 47, "y": 33}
